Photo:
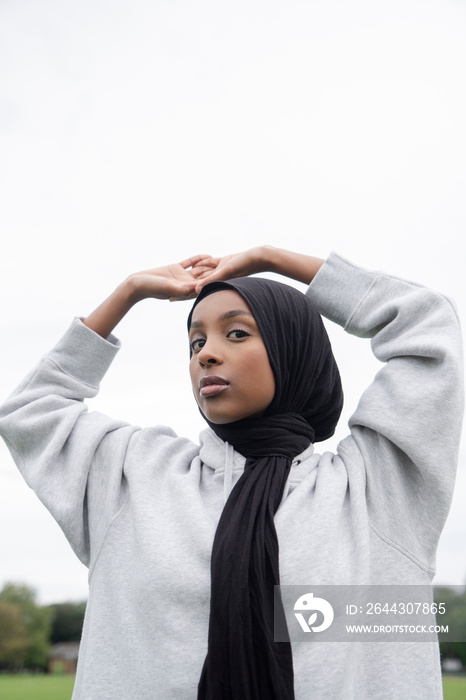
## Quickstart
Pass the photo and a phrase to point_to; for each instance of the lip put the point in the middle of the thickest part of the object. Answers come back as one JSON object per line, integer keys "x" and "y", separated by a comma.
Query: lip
{"x": 212, "y": 385}
{"x": 211, "y": 379}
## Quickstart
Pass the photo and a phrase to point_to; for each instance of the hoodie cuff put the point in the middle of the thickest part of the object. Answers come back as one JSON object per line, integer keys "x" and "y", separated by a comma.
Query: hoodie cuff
{"x": 339, "y": 287}
{"x": 84, "y": 354}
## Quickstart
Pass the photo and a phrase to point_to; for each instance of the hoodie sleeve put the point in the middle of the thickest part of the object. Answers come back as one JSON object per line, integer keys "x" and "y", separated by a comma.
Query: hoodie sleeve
{"x": 407, "y": 426}
{"x": 73, "y": 459}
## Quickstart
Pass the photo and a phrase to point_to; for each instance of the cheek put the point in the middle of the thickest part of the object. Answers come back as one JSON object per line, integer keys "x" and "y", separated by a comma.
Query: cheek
{"x": 193, "y": 375}
{"x": 260, "y": 373}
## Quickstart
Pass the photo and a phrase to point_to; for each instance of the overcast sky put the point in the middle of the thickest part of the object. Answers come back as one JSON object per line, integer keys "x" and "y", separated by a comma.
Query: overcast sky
{"x": 133, "y": 134}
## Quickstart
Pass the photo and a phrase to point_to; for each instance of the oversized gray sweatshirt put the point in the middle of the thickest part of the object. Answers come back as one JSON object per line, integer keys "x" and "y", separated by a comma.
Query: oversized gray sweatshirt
{"x": 140, "y": 506}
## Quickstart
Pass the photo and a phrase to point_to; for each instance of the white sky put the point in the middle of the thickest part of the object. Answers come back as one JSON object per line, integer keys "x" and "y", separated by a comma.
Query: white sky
{"x": 138, "y": 133}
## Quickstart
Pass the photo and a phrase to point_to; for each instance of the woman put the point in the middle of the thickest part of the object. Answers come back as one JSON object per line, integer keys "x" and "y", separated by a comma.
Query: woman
{"x": 151, "y": 513}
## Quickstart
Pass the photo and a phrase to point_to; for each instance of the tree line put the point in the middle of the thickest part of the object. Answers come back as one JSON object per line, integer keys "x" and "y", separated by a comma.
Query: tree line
{"x": 28, "y": 630}
{"x": 455, "y": 617}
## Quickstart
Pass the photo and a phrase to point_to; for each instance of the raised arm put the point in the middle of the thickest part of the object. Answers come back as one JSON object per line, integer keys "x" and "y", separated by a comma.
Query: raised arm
{"x": 71, "y": 458}
{"x": 406, "y": 429}
{"x": 297, "y": 266}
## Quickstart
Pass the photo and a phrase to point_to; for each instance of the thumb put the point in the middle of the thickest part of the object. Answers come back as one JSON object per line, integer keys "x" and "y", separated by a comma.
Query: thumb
{"x": 184, "y": 293}
{"x": 210, "y": 278}
{"x": 184, "y": 290}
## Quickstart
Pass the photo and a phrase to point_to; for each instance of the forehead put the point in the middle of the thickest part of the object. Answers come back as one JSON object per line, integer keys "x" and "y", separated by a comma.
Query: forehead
{"x": 214, "y": 307}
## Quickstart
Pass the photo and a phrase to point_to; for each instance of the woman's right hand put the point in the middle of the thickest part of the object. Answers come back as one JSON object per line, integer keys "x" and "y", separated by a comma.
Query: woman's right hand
{"x": 174, "y": 282}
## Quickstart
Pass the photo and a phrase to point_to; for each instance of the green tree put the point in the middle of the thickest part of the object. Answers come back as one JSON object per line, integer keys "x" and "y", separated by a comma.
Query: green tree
{"x": 14, "y": 639}
{"x": 67, "y": 622}
{"x": 455, "y": 617}
{"x": 35, "y": 619}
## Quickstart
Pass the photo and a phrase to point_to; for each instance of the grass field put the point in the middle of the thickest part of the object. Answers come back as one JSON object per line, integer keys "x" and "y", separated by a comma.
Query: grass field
{"x": 61, "y": 687}
{"x": 36, "y": 687}
{"x": 454, "y": 688}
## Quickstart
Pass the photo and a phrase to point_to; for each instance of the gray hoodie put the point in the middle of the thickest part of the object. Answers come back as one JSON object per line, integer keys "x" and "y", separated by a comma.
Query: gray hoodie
{"x": 140, "y": 506}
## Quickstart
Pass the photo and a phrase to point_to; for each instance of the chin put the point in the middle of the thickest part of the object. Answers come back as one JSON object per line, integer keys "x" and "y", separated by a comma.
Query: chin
{"x": 212, "y": 411}
{"x": 221, "y": 420}
{"x": 219, "y": 417}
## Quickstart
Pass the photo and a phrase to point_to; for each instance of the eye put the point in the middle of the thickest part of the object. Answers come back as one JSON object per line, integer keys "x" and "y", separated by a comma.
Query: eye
{"x": 238, "y": 333}
{"x": 197, "y": 344}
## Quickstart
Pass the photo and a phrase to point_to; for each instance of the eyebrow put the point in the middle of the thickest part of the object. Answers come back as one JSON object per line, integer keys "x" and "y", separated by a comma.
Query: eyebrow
{"x": 225, "y": 316}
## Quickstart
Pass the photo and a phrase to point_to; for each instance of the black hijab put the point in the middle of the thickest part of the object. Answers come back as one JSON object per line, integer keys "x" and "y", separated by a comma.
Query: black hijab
{"x": 243, "y": 662}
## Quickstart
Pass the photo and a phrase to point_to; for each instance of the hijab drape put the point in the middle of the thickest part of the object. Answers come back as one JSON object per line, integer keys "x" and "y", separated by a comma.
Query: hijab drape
{"x": 243, "y": 662}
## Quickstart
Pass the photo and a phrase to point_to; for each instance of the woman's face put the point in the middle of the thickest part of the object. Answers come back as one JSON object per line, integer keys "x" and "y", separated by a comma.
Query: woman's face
{"x": 230, "y": 370}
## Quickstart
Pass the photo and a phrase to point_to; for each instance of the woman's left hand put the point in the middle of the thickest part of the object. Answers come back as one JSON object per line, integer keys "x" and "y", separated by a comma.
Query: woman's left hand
{"x": 266, "y": 258}
{"x": 227, "y": 267}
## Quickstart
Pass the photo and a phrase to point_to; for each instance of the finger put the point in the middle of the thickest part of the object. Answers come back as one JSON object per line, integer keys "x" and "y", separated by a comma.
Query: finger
{"x": 212, "y": 262}
{"x": 201, "y": 271}
{"x": 210, "y": 278}
{"x": 207, "y": 272}
{"x": 186, "y": 297}
{"x": 189, "y": 262}
{"x": 205, "y": 265}
{"x": 182, "y": 291}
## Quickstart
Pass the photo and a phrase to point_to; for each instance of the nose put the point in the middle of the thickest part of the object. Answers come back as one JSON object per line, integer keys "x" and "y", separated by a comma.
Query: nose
{"x": 209, "y": 354}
